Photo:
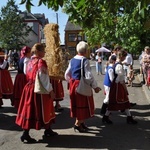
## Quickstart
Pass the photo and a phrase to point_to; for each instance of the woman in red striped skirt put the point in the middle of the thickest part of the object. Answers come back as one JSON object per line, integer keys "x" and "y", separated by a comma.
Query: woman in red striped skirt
{"x": 82, "y": 107}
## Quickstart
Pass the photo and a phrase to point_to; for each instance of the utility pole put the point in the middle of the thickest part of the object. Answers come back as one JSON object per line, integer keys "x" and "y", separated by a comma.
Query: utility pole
{"x": 57, "y": 17}
{"x": 57, "y": 23}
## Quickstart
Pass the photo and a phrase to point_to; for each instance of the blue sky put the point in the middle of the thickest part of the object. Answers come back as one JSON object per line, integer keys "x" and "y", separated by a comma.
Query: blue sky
{"x": 50, "y": 14}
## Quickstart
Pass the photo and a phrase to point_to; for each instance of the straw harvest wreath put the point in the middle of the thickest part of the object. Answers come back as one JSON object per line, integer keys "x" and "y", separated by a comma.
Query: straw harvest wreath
{"x": 54, "y": 55}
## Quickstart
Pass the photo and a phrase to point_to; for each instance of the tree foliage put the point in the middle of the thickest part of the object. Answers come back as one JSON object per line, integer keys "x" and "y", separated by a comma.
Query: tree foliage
{"x": 116, "y": 21}
{"x": 13, "y": 30}
{"x": 53, "y": 4}
{"x": 110, "y": 21}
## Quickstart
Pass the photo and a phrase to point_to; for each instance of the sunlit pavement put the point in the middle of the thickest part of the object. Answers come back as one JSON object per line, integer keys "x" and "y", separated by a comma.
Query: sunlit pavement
{"x": 118, "y": 136}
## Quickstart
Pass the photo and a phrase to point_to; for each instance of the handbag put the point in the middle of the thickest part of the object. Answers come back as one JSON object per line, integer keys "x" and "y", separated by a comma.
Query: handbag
{"x": 38, "y": 87}
{"x": 84, "y": 87}
{"x": 99, "y": 60}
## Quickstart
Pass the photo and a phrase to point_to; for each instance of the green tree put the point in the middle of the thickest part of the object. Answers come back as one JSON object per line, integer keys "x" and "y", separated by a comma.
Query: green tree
{"x": 118, "y": 21}
{"x": 13, "y": 30}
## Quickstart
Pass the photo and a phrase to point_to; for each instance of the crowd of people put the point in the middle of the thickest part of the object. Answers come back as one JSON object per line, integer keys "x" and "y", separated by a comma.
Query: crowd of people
{"x": 36, "y": 111}
{"x": 13, "y": 58}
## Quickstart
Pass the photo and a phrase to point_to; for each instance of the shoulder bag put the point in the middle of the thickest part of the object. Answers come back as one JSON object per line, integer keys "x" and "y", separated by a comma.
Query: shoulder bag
{"x": 38, "y": 87}
{"x": 84, "y": 87}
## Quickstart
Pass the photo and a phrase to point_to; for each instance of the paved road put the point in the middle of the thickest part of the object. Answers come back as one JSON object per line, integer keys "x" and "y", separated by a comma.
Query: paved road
{"x": 119, "y": 136}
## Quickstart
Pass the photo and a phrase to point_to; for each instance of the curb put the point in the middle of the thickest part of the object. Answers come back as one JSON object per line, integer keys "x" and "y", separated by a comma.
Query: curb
{"x": 145, "y": 88}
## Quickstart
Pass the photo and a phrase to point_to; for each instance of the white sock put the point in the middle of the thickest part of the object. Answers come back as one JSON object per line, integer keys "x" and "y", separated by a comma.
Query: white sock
{"x": 128, "y": 112}
{"x": 107, "y": 113}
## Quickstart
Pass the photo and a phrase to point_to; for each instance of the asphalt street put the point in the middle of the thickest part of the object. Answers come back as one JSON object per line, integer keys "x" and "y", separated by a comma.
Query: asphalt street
{"x": 118, "y": 136}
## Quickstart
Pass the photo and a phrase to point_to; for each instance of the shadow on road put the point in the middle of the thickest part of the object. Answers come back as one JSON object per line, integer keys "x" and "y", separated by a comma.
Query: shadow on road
{"x": 119, "y": 135}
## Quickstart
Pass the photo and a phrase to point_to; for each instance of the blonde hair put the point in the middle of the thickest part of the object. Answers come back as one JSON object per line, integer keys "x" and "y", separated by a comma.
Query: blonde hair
{"x": 82, "y": 47}
{"x": 37, "y": 47}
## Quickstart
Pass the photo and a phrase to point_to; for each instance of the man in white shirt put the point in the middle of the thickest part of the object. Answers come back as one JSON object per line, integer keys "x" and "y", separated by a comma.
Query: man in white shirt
{"x": 128, "y": 61}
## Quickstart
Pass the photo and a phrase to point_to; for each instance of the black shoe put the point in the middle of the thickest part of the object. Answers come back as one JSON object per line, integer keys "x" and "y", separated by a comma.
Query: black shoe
{"x": 50, "y": 132}
{"x": 130, "y": 120}
{"x": 59, "y": 109}
{"x": 104, "y": 108}
{"x": 27, "y": 138}
{"x": 84, "y": 126}
{"x": 79, "y": 128}
{"x": 106, "y": 119}
{"x": 1, "y": 107}
{"x": 132, "y": 104}
{"x": 122, "y": 111}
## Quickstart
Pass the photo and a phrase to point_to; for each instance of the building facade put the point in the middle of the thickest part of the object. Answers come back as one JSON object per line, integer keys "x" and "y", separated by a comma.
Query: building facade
{"x": 73, "y": 35}
{"x": 36, "y": 22}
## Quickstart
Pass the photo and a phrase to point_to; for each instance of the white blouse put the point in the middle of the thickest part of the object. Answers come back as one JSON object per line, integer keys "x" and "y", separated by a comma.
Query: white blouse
{"x": 44, "y": 78}
{"x": 120, "y": 72}
{"x": 3, "y": 66}
{"x": 26, "y": 60}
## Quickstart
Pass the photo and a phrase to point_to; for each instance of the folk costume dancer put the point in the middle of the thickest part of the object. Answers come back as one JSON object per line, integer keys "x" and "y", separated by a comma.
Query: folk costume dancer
{"x": 20, "y": 79}
{"x": 108, "y": 79}
{"x": 36, "y": 110}
{"x": 82, "y": 107}
{"x": 59, "y": 93}
{"x": 118, "y": 96}
{"x": 6, "y": 84}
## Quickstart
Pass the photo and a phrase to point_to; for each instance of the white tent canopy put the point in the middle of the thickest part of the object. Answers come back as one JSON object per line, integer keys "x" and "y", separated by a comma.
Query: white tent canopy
{"x": 103, "y": 49}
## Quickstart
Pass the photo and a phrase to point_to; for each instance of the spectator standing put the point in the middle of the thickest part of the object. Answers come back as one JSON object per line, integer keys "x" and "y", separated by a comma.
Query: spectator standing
{"x": 92, "y": 56}
{"x": 130, "y": 75}
{"x": 10, "y": 58}
{"x": 15, "y": 58}
{"x": 128, "y": 61}
{"x": 98, "y": 59}
{"x": 146, "y": 63}
{"x": 140, "y": 60}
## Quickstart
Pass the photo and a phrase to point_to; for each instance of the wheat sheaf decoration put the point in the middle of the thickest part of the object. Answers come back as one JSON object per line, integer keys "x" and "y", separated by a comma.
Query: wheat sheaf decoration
{"x": 54, "y": 55}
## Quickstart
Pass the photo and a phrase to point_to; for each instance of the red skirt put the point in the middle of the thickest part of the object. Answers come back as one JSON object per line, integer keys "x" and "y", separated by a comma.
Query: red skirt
{"x": 118, "y": 97}
{"x": 1, "y": 102}
{"x": 6, "y": 84}
{"x": 58, "y": 89}
{"x": 19, "y": 83}
{"x": 35, "y": 110}
{"x": 82, "y": 107}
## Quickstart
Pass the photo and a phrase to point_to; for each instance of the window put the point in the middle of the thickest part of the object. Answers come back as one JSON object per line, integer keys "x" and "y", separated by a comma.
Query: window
{"x": 79, "y": 38}
{"x": 72, "y": 37}
{"x": 72, "y": 51}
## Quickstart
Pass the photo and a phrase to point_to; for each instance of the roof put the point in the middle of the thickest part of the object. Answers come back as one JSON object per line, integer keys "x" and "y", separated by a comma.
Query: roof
{"x": 70, "y": 26}
{"x": 40, "y": 17}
